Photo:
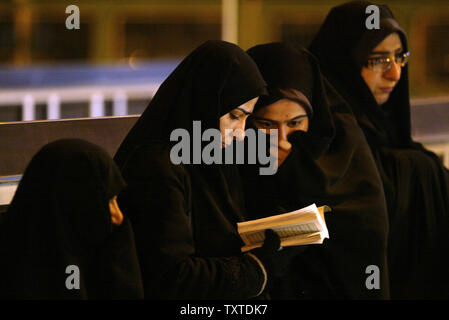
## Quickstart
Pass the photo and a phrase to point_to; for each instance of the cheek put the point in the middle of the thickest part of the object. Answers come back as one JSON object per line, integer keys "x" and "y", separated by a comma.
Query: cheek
{"x": 224, "y": 124}
{"x": 239, "y": 124}
{"x": 233, "y": 127}
{"x": 304, "y": 125}
{"x": 370, "y": 78}
{"x": 244, "y": 122}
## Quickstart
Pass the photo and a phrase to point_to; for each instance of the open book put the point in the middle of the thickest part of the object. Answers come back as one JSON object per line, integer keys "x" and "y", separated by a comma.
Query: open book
{"x": 300, "y": 227}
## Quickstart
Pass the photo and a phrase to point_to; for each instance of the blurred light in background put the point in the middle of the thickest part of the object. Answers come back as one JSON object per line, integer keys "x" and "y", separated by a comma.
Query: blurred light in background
{"x": 123, "y": 50}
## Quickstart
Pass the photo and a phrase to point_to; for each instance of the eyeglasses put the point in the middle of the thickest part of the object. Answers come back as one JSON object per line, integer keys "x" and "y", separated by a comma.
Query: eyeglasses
{"x": 382, "y": 64}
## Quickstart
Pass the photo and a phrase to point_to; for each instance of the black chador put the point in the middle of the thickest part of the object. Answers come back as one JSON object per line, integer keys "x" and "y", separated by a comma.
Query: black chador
{"x": 415, "y": 182}
{"x": 57, "y": 240}
{"x": 330, "y": 164}
{"x": 185, "y": 215}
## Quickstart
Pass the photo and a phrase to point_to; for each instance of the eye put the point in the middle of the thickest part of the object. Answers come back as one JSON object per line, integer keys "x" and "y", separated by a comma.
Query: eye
{"x": 295, "y": 123}
{"x": 233, "y": 116}
{"x": 377, "y": 60}
{"x": 401, "y": 58}
{"x": 264, "y": 123}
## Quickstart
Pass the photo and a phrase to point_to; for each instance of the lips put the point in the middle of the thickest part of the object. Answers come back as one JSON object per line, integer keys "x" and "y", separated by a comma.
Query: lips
{"x": 387, "y": 89}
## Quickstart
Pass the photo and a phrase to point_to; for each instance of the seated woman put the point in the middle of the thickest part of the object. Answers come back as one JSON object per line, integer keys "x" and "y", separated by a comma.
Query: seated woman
{"x": 64, "y": 236}
{"x": 324, "y": 159}
{"x": 369, "y": 69}
{"x": 185, "y": 212}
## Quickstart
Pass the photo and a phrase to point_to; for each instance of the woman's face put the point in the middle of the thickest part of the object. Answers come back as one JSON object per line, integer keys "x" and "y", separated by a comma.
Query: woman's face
{"x": 286, "y": 116}
{"x": 116, "y": 213}
{"x": 232, "y": 124}
{"x": 382, "y": 83}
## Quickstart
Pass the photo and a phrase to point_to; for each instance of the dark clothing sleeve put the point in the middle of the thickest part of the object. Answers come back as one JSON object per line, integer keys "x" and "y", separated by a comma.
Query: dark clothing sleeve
{"x": 158, "y": 202}
{"x": 418, "y": 203}
{"x": 117, "y": 272}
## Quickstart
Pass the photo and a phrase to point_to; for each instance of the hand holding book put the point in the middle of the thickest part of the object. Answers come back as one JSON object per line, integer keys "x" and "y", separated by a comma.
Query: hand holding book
{"x": 300, "y": 227}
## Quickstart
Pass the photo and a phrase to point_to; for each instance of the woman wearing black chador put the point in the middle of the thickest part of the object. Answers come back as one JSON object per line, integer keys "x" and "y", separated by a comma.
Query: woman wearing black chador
{"x": 369, "y": 69}
{"x": 185, "y": 214}
{"x": 323, "y": 158}
{"x": 64, "y": 236}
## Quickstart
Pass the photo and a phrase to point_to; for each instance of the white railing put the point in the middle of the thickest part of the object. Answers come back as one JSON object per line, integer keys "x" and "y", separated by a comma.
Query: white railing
{"x": 54, "y": 97}
{"x": 95, "y": 96}
{"x": 8, "y": 186}
{"x": 441, "y": 149}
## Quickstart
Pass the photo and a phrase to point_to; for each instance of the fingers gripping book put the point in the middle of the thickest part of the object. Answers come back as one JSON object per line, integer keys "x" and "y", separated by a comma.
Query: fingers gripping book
{"x": 299, "y": 227}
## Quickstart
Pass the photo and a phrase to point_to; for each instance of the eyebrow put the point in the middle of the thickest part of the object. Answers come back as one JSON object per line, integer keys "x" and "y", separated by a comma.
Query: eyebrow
{"x": 244, "y": 111}
{"x": 387, "y": 52}
{"x": 299, "y": 117}
{"x": 271, "y": 120}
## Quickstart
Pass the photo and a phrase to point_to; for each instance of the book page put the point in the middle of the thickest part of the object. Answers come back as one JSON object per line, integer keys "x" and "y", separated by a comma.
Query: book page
{"x": 309, "y": 228}
{"x": 298, "y": 216}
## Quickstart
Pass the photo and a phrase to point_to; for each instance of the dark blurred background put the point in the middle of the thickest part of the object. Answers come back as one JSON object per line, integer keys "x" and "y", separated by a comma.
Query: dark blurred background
{"x": 109, "y": 69}
{"x": 113, "y": 64}
{"x": 33, "y": 32}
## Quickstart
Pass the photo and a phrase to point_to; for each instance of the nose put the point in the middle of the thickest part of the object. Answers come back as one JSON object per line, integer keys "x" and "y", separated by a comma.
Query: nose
{"x": 283, "y": 143}
{"x": 239, "y": 131}
{"x": 394, "y": 73}
{"x": 282, "y": 132}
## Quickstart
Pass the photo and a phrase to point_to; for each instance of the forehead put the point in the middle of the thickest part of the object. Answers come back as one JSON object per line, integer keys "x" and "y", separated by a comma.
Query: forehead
{"x": 281, "y": 109}
{"x": 390, "y": 44}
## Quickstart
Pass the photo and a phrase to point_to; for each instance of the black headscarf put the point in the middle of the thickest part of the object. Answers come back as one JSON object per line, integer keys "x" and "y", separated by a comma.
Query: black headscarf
{"x": 342, "y": 46}
{"x": 294, "y": 78}
{"x": 60, "y": 216}
{"x": 213, "y": 80}
{"x": 414, "y": 180}
{"x": 341, "y": 173}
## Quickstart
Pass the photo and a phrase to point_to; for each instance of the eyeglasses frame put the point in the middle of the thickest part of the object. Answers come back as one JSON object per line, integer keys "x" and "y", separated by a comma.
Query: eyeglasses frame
{"x": 404, "y": 55}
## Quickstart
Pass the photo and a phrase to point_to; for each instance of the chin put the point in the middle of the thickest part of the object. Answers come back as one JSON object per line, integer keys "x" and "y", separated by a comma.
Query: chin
{"x": 382, "y": 99}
